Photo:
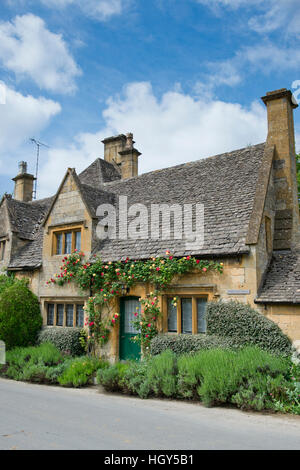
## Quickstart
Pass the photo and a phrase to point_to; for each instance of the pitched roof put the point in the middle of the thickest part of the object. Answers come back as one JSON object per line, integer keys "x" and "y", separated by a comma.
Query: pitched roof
{"x": 282, "y": 280}
{"x": 26, "y": 219}
{"x": 225, "y": 184}
{"x": 99, "y": 172}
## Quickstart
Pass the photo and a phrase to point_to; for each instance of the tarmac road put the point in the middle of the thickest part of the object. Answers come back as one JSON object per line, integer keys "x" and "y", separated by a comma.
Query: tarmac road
{"x": 41, "y": 417}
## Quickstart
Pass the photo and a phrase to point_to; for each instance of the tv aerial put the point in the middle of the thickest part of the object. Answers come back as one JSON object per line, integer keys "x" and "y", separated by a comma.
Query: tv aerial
{"x": 38, "y": 145}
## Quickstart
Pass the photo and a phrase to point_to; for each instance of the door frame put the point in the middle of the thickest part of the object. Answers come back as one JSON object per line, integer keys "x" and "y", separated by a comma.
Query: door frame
{"x": 121, "y": 327}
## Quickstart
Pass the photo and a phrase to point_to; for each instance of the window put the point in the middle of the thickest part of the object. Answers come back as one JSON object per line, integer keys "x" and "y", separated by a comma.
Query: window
{"x": 2, "y": 249}
{"x": 65, "y": 314}
{"x": 188, "y": 316}
{"x": 66, "y": 241}
{"x": 130, "y": 309}
{"x": 172, "y": 317}
{"x": 201, "y": 320}
{"x": 50, "y": 315}
{"x": 59, "y": 244}
{"x": 79, "y": 315}
{"x": 70, "y": 315}
{"x": 60, "y": 315}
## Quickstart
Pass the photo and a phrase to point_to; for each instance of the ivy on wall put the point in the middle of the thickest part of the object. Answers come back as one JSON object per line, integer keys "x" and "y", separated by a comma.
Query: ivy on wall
{"x": 106, "y": 281}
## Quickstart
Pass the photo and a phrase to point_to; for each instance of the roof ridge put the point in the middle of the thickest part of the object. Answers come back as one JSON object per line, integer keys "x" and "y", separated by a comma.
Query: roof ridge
{"x": 181, "y": 165}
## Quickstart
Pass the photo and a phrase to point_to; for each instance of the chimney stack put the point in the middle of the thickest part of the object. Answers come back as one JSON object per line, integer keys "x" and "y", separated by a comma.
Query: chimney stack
{"x": 23, "y": 184}
{"x": 120, "y": 150}
{"x": 280, "y": 105}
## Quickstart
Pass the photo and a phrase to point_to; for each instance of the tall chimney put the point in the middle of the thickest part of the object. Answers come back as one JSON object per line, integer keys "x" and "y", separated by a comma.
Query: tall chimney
{"x": 112, "y": 147}
{"x": 23, "y": 184}
{"x": 280, "y": 105}
{"x": 120, "y": 150}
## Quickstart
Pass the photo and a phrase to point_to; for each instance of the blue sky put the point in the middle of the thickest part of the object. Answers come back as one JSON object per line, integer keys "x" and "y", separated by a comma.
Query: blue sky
{"x": 185, "y": 76}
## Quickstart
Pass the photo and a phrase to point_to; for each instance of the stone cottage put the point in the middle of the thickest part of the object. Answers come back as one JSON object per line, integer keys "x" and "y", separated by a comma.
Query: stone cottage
{"x": 251, "y": 225}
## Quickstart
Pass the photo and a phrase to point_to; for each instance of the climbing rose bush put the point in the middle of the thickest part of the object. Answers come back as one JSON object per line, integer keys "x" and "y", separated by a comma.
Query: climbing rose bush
{"x": 108, "y": 280}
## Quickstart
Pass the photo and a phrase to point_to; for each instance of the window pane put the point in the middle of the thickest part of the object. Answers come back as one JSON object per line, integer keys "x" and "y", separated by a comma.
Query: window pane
{"x": 78, "y": 241}
{"x": 69, "y": 310}
{"x": 60, "y": 315}
{"x": 201, "y": 321}
{"x": 68, "y": 242}
{"x": 79, "y": 315}
{"x": 59, "y": 239}
{"x": 172, "y": 316}
{"x": 130, "y": 309}
{"x": 186, "y": 316}
{"x": 50, "y": 315}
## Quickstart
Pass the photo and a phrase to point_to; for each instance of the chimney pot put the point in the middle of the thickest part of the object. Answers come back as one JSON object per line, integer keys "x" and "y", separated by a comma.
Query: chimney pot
{"x": 23, "y": 184}
{"x": 22, "y": 168}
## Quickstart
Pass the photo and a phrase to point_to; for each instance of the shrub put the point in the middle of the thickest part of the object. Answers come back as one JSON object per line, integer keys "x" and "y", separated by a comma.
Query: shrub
{"x": 111, "y": 378}
{"x": 41, "y": 364}
{"x": 80, "y": 371}
{"x": 182, "y": 344}
{"x": 244, "y": 325}
{"x": 224, "y": 373}
{"x": 189, "y": 376}
{"x": 162, "y": 374}
{"x": 20, "y": 316}
{"x": 5, "y": 282}
{"x": 135, "y": 381}
{"x": 66, "y": 339}
{"x": 155, "y": 376}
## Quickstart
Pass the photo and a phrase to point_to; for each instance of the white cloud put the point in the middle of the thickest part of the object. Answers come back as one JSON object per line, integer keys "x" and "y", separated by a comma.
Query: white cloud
{"x": 270, "y": 15}
{"x": 21, "y": 117}
{"x": 266, "y": 58}
{"x": 100, "y": 10}
{"x": 174, "y": 129}
{"x": 29, "y": 49}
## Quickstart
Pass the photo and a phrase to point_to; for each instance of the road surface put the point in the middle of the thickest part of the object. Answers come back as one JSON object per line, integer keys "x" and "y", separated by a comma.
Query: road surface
{"x": 42, "y": 417}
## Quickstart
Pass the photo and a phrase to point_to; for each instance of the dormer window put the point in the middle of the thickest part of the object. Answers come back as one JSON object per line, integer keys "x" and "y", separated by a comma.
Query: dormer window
{"x": 66, "y": 242}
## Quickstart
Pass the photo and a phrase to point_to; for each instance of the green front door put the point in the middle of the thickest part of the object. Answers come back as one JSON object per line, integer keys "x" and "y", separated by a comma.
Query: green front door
{"x": 128, "y": 349}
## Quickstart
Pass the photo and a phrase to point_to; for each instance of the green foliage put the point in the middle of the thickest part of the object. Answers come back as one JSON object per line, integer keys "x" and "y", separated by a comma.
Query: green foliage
{"x": 20, "y": 316}
{"x": 46, "y": 364}
{"x": 5, "y": 282}
{"x": 224, "y": 372}
{"x": 155, "y": 376}
{"x": 135, "y": 381}
{"x": 162, "y": 374}
{"x": 66, "y": 339}
{"x": 182, "y": 344}
{"x": 41, "y": 364}
{"x": 106, "y": 280}
{"x": 249, "y": 378}
{"x": 245, "y": 326}
{"x": 80, "y": 371}
{"x": 111, "y": 377}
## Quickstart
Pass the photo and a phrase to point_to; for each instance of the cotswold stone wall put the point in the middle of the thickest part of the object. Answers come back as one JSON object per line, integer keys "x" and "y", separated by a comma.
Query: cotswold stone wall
{"x": 68, "y": 211}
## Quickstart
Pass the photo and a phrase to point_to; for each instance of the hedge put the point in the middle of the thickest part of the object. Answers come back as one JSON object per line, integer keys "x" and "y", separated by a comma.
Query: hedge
{"x": 181, "y": 344}
{"x": 230, "y": 325}
{"x": 66, "y": 339}
{"x": 243, "y": 325}
{"x": 249, "y": 378}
